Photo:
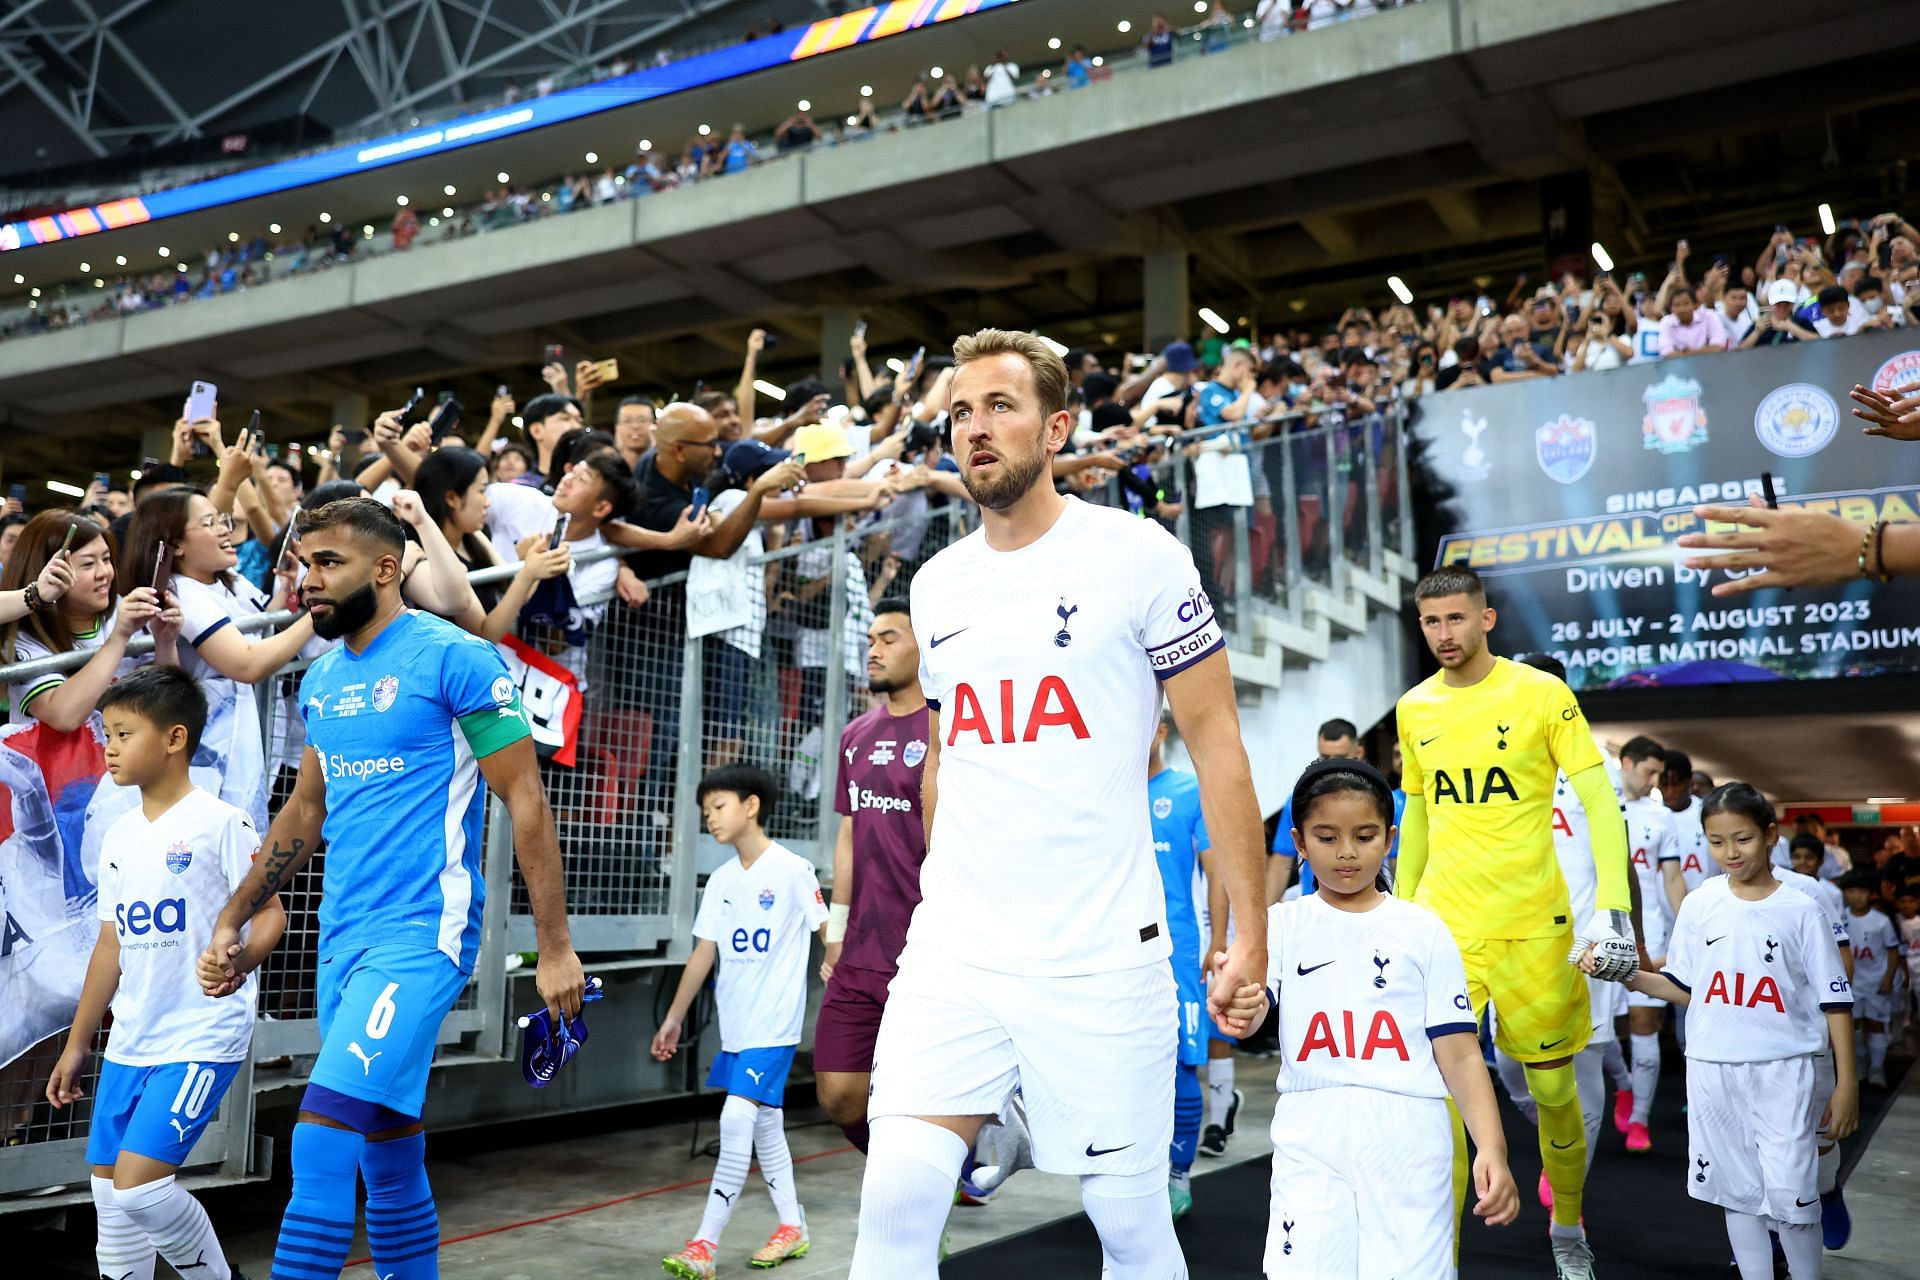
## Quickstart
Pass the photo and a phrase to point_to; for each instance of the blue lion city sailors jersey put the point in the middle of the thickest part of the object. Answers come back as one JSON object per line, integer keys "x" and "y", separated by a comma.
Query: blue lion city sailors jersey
{"x": 1761, "y": 977}
{"x": 398, "y": 732}
{"x": 1363, "y": 1142}
{"x": 162, "y": 885}
{"x": 762, "y": 919}
{"x": 1043, "y": 663}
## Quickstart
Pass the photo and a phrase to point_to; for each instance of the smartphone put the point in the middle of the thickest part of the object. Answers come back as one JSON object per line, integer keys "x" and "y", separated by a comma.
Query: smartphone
{"x": 100, "y": 479}
{"x": 67, "y": 542}
{"x": 1719, "y": 259}
{"x": 410, "y": 410}
{"x": 1884, "y": 255}
{"x": 1766, "y": 490}
{"x": 699, "y": 385}
{"x": 559, "y": 531}
{"x": 200, "y": 400}
{"x": 555, "y": 355}
{"x": 18, "y": 492}
{"x": 273, "y": 451}
{"x": 286, "y": 541}
{"x": 162, "y": 570}
{"x": 256, "y": 438}
{"x": 860, "y": 329}
{"x": 769, "y": 342}
{"x": 500, "y": 392}
{"x": 445, "y": 419}
{"x": 610, "y": 369}
{"x": 700, "y": 497}
{"x": 443, "y": 397}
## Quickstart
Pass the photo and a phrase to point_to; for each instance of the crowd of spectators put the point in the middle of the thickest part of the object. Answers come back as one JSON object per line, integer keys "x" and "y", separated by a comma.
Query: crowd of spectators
{"x": 273, "y": 252}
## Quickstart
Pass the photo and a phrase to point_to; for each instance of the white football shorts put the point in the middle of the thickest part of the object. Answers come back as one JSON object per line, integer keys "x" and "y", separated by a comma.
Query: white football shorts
{"x": 1092, "y": 1054}
{"x": 1750, "y": 1136}
{"x": 1362, "y": 1187}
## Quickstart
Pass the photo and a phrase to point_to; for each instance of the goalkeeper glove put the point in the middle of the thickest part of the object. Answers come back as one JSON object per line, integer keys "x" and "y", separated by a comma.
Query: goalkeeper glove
{"x": 1616, "y": 957}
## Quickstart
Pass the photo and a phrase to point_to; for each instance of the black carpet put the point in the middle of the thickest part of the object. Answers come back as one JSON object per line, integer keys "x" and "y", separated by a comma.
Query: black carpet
{"x": 1640, "y": 1219}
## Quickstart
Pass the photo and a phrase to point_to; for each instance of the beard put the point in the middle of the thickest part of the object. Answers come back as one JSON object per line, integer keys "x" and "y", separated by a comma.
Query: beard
{"x": 1011, "y": 482}
{"x": 882, "y": 684}
{"x": 349, "y": 614}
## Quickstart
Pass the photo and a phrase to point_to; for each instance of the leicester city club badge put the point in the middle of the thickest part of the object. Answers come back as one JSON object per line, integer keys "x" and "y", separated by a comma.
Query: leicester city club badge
{"x": 766, "y": 899}
{"x": 1675, "y": 421}
{"x": 179, "y": 857}
{"x": 1564, "y": 448}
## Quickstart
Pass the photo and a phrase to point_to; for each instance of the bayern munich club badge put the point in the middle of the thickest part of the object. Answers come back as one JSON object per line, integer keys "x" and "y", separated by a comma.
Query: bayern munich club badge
{"x": 384, "y": 690}
{"x": 1565, "y": 448}
{"x": 179, "y": 857}
{"x": 1675, "y": 421}
{"x": 1797, "y": 420}
{"x": 1901, "y": 371}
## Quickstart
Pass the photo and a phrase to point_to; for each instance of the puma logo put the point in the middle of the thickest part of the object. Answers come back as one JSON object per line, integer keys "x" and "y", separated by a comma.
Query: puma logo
{"x": 725, "y": 1197}
{"x": 178, "y": 1128}
{"x": 757, "y": 1075}
{"x": 366, "y": 1063}
{"x": 185, "y": 1267}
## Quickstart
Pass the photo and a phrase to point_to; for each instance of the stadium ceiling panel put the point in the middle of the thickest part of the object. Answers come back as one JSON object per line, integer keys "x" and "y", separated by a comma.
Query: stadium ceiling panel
{"x": 96, "y": 80}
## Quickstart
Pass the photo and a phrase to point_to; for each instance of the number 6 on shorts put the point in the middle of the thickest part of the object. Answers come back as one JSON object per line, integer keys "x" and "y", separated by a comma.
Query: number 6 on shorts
{"x": 380, "y": 1017}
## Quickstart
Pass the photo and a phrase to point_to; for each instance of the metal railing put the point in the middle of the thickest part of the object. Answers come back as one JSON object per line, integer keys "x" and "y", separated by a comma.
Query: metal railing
{"x": 1319, "y": 500}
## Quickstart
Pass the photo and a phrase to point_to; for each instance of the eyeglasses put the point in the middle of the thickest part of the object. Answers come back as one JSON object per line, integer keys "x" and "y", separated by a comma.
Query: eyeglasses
{"x": 216, "y": 524}
{"x": 714, "y": 445}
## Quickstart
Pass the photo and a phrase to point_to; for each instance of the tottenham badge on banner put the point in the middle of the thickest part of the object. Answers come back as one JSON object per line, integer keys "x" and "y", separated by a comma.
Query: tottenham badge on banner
{"x": 1565, "y": 448}
{"x": 1675, "y": 420}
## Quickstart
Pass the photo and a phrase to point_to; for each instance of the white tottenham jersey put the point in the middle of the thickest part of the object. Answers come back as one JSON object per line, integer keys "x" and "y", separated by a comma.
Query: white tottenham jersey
{"x": 1690, "y": 839}
{"x": 1833, "y": 907}
{"x": 1760, "y": 974}
{"x": 162, "y": 885}
{"x": 1875, "y": 943}
{"x": 1362, "y": 995}
{"x": 762, "y": 918}
{"x": 1651, "y": 843}
{"x": 1043, "y": 664}
{"x": 1573, "y": 842}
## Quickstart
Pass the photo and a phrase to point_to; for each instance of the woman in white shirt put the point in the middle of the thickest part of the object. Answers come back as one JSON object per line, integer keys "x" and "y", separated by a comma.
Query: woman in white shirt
{"x": 228, "y": 664}
{"x": 1600, "y": 348}
{"x": 81, "y": 618}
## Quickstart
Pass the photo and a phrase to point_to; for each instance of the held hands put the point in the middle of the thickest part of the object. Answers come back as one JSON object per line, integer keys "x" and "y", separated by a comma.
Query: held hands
{"x": 666, "y": 1041}
{"x": 1234, "y": 992}
{"x": 218, "y": 969}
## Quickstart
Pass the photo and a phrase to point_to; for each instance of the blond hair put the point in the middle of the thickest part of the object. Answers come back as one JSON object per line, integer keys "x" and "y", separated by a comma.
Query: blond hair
{"x": 1049, "y": 370}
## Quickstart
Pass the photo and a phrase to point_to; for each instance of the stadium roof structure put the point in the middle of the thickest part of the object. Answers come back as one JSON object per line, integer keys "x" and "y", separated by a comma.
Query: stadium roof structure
{"x": 95, "y": 84}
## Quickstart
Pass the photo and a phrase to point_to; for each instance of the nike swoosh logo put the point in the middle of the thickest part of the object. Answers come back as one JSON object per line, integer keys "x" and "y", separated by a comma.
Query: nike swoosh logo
{"x": 1545, "y": 1045}
{"x": 1105, "y": 1151}
{"x": 937, "y": 641}
{"x": 1303, "y": 971}
{"x": 1561, "y": 1146}
{"x": 1801, "y": 1204}
{"x": 1434, "y": 738}
{"x": 1711, "y": 941}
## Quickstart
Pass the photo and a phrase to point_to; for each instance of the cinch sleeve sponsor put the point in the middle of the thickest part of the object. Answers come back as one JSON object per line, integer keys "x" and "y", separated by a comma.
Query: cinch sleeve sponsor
{"x": 1175, "y": 623}
{"x": 1826, "y": 973}
{"x": 1568, "y": 737}
{"x": 482, "y": 696}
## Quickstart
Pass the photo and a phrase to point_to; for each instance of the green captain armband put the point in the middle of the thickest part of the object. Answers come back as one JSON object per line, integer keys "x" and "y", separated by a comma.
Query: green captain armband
{"x": 501, "y": 725}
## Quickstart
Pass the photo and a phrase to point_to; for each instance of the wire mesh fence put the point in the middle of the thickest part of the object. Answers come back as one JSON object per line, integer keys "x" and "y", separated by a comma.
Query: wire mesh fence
{"x": 766, "y": 668}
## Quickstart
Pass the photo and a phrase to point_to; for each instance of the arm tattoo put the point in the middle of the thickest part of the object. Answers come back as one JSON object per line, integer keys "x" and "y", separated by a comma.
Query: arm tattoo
{"x": 274, "y": 870}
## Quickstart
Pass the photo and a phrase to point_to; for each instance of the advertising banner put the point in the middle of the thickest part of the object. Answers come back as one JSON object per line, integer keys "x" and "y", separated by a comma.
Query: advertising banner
{"x": 1567, "y": 494}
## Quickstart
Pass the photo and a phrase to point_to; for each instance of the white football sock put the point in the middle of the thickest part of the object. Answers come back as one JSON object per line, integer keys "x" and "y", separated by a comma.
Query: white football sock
{"x": 1876, "y": 1051}
{"x": 730, "y": 1170}
{"x": 1646, "y": 1075}
{"x": 905, "y": 1197}
{"x": 121, "y": 1247}
{"x": 1829, "y": 1168}
{"x": 1590, "y": 1081}
{"x": 1801, "y": 1242}
{"x": 1135, "y": 1222}
{"x": 1752, "y": 1251}
{"x": 178, "y": 1227}
{"x": 1616, "y": 1062}
{"x": 776, "y": 1163}
{"x": 1219, "y": 1089}
{"x": 1860, "y": 1050}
